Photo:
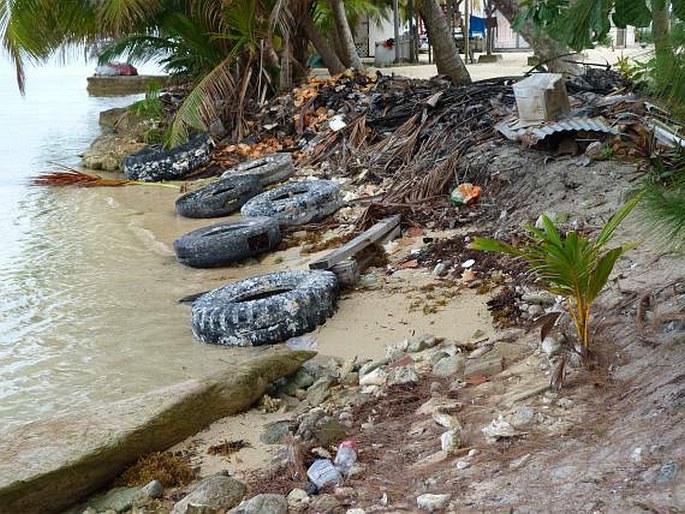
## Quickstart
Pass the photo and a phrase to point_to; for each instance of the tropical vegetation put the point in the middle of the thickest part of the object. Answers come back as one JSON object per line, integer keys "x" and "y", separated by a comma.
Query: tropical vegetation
{"x": 571, "y": 265}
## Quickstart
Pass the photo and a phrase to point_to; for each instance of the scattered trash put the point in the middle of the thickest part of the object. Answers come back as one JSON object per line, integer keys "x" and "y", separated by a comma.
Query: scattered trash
{"x": 346, "y": 457}
{"x": 336, "y": 124}
{"x": 533, "y": 134}
{"x": 468, "y": 264}
{"x": 323, "y": 472}
{"x": 465, "y": 194}
{"x": 541, "y": 97}
{"x": 304, "y": 342}
{"x": 498, "y": 429}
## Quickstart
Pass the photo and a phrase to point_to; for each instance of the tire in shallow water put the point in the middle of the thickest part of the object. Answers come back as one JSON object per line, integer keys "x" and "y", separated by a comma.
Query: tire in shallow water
{"x": 269, "y": 169}
{"x": 296, "y": 203}
{"x": 219, "y": 198}
{"x": 156, "y": 163}
{"x": 224, "y": 243}
{"x": 265, "y": 309}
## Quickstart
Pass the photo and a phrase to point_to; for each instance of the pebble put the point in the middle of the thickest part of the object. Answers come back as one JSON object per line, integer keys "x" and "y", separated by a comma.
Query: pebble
{"x": 463, "y": 464}
{"x": 668, "y": 472}
{"x": 449, "y": 366}
{"x": 432, "y": 502}
{"x": 297, "y": 495}
{"x": 520, "y": 462}
{"x": 473, "y": 452}
{"x": 440, "y": 270}
{"x": 377, "y": 377}
{"x": 154, "y": 489}
{"x": 636, "y": 455}
{"x": 550, "y": 346}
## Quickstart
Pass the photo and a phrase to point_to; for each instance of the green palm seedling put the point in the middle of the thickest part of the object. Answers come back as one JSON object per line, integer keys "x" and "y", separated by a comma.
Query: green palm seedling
{"x": 571, "y": 265}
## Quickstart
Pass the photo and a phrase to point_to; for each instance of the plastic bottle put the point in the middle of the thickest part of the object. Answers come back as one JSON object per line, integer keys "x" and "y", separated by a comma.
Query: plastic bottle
{"x": 323, "y": 472}
{"x": 346, "y": 457}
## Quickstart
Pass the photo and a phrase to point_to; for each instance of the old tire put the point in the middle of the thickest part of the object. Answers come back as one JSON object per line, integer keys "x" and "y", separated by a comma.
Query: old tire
{"x": 224, "y": 243}
{"x": 270, "y": 169}
{"x": 296, "y": 203}
{"x": 219, "y": 198}
{"x": 156, "y": 163}
{"x": 265, "y": 309}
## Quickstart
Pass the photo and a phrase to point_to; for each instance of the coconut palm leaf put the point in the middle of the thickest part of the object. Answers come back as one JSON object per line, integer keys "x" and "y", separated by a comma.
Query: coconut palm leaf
{"x": 204, "y": 103}
{"x": 571, "y": 265}
{"x": 120, "y": 15}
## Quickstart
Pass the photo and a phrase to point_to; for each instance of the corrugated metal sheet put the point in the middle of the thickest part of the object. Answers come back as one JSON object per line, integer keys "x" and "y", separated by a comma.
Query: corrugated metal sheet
{"x": 533, "y": 134}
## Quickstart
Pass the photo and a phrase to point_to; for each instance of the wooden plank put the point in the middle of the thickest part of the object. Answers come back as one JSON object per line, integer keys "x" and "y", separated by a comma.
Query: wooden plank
{"x": 375, "y": 233}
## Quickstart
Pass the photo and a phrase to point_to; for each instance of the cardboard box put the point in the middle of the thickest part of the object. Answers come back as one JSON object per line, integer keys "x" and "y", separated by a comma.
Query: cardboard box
{"x": 541, "y": 97}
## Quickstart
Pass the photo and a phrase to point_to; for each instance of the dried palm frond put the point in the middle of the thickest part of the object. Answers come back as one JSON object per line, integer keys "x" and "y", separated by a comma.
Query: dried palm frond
{"x": 81, "y": 179}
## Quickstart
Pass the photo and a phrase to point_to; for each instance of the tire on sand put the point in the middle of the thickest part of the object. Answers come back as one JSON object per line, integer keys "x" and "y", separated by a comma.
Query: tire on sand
{"x": 265, "y": 309}
{"x": 296, "y": 203}
{"x": 156, "y": 163}
{"x": 228, "y": 242}
{"x": 219, "y": 198}
{"x": 270, "y": 169}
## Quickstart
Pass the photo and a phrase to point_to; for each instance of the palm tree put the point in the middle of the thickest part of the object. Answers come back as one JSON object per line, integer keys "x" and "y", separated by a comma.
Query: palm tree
{"x": 446, "y": 55}
{"x": 548, "y": 50}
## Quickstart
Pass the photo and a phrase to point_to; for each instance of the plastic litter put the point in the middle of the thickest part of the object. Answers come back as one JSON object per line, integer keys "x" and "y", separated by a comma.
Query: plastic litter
{"x": 323, "y": 472}
{"x": 465, "y": 194}
{"x": 346, "y": 457}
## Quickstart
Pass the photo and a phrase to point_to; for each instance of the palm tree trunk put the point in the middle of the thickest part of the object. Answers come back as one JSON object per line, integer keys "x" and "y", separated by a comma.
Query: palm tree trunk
{"x": 325, "y": 50}
{"x": 345, "y": 34}
{"x": 446, "y": 55}
{"x": 662, "y": 42}
{"x": 545, "y": 48}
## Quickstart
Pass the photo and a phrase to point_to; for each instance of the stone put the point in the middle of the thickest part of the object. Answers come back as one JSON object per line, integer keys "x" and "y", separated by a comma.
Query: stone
{"x": 668, "y": 472}
{"x": 403, "y": 375}
{"x": 370, "y": 366}
{"x": 324, "y": 503}
{"x": 377, "y": 377}
{"x": 300, "y": 380}
{"x": 473, "y": 452}
{"x": 355, "y": 511}
{"x": 218, "y": 492}
{"x": 450, "y": 440}
{"x": 538, "y": 297}
{"x": 437, "y": 357}
{"x": 275, "y": 432}
{"x": 522, "y": 417}
{"x": 490, "y": 364}
{"x": 263, "y": 504}
{"x": 438, "y": 404}
{"x": 328, "y": 430}
{"x": 498, "y": 429}
{"x": 118, "y": 499}
{"x": 153, "y": 489}
{"x": 596, "y": 151}
{"x": 347, "y": 368}
{"x": 351, "y": 379}
{"x": 520, "y": 462}
{"x": 535, "y": 310}
{"x": 422, "y": 342}
{"x": 432, "y": 502}
{"x": 449, "y": 366}
{"x": 636, "y": 455}
{"x": 80, "y": 451}
{"x": 550, "y": 346}
{"x": 297, "y": 495}
{"x": 319, "y": 391}
{"x": 440, "y": 270}
{"x": 462, "y": 464}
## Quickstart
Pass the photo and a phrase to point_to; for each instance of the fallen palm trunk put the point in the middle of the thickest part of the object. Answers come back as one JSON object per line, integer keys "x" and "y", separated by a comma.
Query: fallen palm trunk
{"x": 48, "y": 465}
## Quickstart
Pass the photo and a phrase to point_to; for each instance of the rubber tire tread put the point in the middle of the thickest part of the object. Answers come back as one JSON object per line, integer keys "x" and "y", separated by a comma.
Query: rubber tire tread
{"x": 296, "y": 203}
{"x": 219, "y": 198}
{"x": 225, "y": 317}
{"x": 270, "y": 169}
{"x": 228, "y": 242}
{"x": 156, "y": 163}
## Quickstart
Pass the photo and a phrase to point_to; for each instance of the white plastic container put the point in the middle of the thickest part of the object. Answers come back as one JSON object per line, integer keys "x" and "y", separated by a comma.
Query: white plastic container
{"x": 323, "y": 472}
{"x": 346, "y": 457}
